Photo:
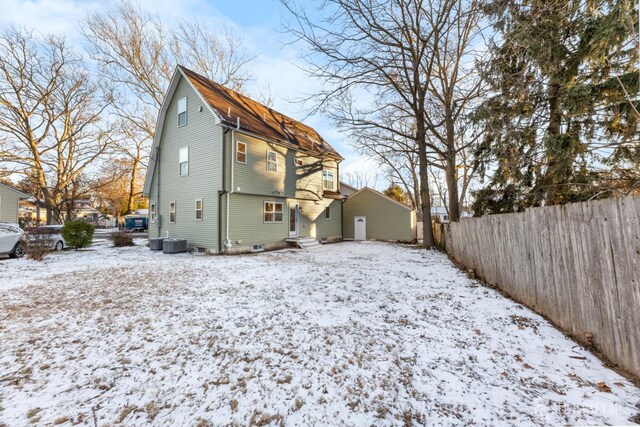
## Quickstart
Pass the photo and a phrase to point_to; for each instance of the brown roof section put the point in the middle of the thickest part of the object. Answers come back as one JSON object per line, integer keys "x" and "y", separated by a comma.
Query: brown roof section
{"x": 258, "y": 118}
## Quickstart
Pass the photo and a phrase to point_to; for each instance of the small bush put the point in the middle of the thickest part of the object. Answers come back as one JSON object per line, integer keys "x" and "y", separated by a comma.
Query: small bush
{"x": 78, "y": 234}
{"x": 121, "y": 239}
{"x": 38, "y": 247}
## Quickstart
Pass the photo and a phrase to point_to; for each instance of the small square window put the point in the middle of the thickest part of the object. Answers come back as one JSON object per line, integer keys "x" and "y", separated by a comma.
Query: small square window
{"x": 198, "y": 209}
{"x": 182, "y": 111}
{"x": 327, "y": 212}
{"x": 172, "y": 212}
{"x": 273, "y": 211}
{"x": 298, "y": 162}
{"x": 184, "y": 161}
{"x": 241, "y": 152}
{"x": 272, "y": 161}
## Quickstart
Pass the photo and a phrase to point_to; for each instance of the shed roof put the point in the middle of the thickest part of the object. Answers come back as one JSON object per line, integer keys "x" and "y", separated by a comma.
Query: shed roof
{"x": 20, "y": 194}
{"x": 379, "y": 194}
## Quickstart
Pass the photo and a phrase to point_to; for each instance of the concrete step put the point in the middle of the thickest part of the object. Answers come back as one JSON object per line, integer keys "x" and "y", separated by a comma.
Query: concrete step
{"x": 308, "y": 244}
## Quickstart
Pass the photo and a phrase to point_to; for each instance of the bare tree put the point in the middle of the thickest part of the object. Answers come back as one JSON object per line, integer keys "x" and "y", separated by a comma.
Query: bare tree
{"x": 360, "y": 179}
{"x": 137, "y": 55}
{"x": 383, "y": 49}
{"x": 50, "y": 117}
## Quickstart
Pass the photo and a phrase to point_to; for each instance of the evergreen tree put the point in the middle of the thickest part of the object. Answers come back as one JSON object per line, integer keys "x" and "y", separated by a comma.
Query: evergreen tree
{"x": 396, "y": 193}
{"x": 565, "y": 104}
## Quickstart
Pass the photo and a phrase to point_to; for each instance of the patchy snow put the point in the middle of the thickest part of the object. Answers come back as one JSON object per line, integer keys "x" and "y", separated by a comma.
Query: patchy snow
{"x": 351, "y": 334}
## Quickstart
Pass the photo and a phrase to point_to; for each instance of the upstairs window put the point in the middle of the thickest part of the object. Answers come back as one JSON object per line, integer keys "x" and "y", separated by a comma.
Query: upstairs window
{"x": 152, "y": 212}
{"x": 172, "y": 212}
{"x": 198, "y": 209}
{"x": 272, "y": 161}
{"x": 182, "y": 111}
{"x": 328, "y": 180}
{"x": 241, "y": 152}
{"x": 184, "y": 161}
{"x": 272, "y": 211}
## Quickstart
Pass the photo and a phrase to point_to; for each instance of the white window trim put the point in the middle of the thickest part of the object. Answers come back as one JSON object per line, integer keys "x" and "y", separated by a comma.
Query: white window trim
{"x": 186, "y": 114}
{"x": 298, "y": 162}
{"x": 274, "y": 162}
{"x": 195, "y": 205}
{"x": 172, "y": 210}
{"x": 273, "y": 212}
{"x": 333, "y": 179}
{"x": 186, "y": 147}
{"x": 245, "y": 152}
{"x": 325, "y": 213}
{"x": 152, "y": 213}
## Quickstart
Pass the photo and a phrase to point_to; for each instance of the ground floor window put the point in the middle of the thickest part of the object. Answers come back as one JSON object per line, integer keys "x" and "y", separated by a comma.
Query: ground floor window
{"x": 172, "y": 212}
{"x": 152, "y": 213}
{"x": 273, "y": 211}
{"x": 327, "y": 212}
{"x": 199, "y": 209}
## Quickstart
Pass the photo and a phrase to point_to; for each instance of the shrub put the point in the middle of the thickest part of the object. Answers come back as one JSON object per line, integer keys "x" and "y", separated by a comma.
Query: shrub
{"x": 38, "y": 247}
{"x": 78, "y": 234}
{"x": 121, "y": 238}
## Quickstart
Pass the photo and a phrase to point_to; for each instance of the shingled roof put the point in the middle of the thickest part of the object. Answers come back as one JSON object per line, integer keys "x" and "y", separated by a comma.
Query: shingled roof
{"x": 257, "y": 118}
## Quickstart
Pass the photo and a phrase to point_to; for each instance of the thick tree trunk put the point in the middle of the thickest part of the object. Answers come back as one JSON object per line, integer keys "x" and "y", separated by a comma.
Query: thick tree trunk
{"x": 425, "y": 199}
{"x": 132, "y": 185}
{"x": 451, "y": 174}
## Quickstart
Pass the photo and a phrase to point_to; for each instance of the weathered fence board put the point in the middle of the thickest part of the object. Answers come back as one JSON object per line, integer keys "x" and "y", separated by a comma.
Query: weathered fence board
{"x": 577, "y": 264}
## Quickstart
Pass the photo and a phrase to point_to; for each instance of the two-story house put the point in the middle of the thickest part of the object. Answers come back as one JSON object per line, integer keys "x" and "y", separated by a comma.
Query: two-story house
{"x": 232, "y": 175}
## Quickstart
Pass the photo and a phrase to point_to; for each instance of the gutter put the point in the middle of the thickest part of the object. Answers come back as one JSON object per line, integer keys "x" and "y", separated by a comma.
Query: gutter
{"x": 224, "y": 188}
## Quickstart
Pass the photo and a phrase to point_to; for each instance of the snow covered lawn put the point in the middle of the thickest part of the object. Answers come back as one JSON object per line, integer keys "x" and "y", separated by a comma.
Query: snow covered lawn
{"x": 349, "y": 334}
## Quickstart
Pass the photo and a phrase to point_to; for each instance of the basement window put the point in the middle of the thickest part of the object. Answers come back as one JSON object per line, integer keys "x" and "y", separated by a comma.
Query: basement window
{"x": 257, "y": 248}
{"x": 182, "y": 111}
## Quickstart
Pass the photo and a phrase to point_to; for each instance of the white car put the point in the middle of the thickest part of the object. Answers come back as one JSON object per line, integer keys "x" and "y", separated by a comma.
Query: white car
{"x": 51, "y": 235}
{"x": 12, "y": 240}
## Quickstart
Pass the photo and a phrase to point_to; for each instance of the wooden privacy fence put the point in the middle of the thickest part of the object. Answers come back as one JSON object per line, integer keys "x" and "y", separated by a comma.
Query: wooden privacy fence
{"x": 577, "y": 264}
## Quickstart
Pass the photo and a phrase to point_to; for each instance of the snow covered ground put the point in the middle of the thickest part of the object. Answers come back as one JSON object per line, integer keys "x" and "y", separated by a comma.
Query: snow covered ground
{"x": 348, "y": 334}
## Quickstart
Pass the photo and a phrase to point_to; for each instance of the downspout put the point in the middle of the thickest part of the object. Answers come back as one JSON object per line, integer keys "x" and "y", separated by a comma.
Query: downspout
{"x": 227, "y": 243}
{"x": 157, "y": 168}
{"x": 224, "y": 188}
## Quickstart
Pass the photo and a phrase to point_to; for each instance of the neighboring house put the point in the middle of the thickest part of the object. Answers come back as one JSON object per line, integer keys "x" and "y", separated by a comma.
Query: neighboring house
{"x": 231, "y": 175}
{"x": 346, "y": 189}
{"x": 9, "y": 203}
{"x": 371, "y": 215}
{"x": 442, "y": 213}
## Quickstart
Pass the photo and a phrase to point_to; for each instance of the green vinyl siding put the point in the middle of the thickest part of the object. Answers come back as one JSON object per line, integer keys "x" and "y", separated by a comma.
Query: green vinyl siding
{"x": 204, "y": 179}
{"x": 247, "y": 226}
{"x": 386, "y": 219}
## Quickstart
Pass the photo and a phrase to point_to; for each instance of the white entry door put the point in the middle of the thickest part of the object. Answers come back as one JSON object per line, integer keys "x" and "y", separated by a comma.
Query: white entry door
{"x": 360, "y": 227}
{"x": 294, "y": 220}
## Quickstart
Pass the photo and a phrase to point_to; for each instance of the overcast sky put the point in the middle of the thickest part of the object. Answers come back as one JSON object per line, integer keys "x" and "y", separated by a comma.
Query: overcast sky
{"x": 276, "y": 67}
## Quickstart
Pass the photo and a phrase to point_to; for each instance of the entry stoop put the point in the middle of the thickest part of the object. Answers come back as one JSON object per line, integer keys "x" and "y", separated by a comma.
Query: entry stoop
{"x": 304, "y": 242}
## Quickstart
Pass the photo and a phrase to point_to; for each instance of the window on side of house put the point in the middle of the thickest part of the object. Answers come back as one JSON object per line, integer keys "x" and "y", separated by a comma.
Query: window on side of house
{"x": 198, "y": 209}
{"x": 297, "y": 162}
{"x": 241, "y": 152}
{"x": 328, "y": 180}
{"x": 327, "y": 212}
{"x": 172, "y": 212}
{"x": 152, "y": 212}
{"x": 273, "y": 211}
{"x": 184, "y": 161}
{"x": 272, "y": 161}
{"x": 182, "y": 111}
